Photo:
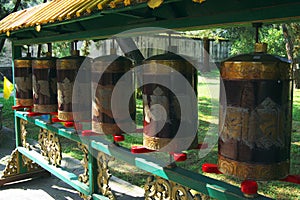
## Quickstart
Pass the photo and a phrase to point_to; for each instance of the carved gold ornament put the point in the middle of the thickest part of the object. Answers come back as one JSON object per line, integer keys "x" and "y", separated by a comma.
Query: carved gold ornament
{"x": 104, "y": 176}
{"x": 24, "y": 133}
{"x": 13, "y": 166}
{"x": 162, "y": 189}
{"x": 154, "y": 3}
{"x": 199, "y": 1}
{"x": 30, "y": 165}
{"x": 254, "y": 171}
{"x": 50, "y": 147}
{"x": 84, "y": 177}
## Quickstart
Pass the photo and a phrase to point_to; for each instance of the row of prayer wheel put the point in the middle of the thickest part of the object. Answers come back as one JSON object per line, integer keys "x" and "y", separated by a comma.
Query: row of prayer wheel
{"x": 255, "y": 105}
{"x": 47, "y": 83}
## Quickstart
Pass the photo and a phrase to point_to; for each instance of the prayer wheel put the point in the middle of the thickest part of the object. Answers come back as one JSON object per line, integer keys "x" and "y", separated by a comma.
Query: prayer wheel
{"x": 82, "y": 107}
{"x": 161, "y": 132}
{"x": 106, "y": 72}
{"x": 255, "y": 140}
{"x": 67, "y": 69}
{"x": 44, "y": 84}
{"x": 23, "y": 80}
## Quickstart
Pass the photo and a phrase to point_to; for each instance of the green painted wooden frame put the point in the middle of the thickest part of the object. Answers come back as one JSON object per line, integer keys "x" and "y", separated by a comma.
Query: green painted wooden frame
{"x": 214, "y": 188}
{"x": 210, "y": 14}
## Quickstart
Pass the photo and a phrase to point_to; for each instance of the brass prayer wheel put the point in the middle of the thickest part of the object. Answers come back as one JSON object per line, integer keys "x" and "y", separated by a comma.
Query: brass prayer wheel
{"x": 44, "y": 84}
{"x": 23, "y": 80}
{"x": 67, "y": 69}
{"x": 81, "y": 96}
{"x": 255, "y": 140}
{"x": 106, "y": 72}
{"x": 161, "y": 132}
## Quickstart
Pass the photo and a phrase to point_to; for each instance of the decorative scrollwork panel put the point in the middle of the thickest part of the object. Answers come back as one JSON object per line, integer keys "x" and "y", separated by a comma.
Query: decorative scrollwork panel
{"x": 104, "y": 176}
{"x": 84, "y": 177}
{"x": 30, "y": 165}
{"x": 24, "y": 133}
{"x": 157, "y": 188}
{"x": 14, "y": 165}
{"x": 50, "y": 147}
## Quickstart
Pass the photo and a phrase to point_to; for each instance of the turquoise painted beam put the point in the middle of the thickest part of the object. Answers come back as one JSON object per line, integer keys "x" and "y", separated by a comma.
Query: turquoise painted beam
{"x": 99, "y": 197}
{"x": 214, "y": 188}
{"x": 58, "y": 128}
{"x": 69, "y": 178}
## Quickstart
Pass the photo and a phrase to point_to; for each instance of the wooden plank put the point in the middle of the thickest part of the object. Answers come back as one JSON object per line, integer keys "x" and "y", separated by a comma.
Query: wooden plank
{"x": 68, "y": 177}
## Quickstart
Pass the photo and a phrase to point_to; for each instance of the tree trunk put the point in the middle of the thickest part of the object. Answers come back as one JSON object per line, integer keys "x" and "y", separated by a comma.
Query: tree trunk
{"x": 289, "y": 46}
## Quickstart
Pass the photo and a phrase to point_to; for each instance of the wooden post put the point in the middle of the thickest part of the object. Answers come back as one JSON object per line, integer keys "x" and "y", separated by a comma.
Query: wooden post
{"x": 130, "y": 49}
{"x": 17, "y": 53}
{"x": 206, "y": 67}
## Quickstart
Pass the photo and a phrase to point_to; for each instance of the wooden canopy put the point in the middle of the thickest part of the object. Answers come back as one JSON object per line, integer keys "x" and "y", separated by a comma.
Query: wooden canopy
{"x": 60, "y": 20}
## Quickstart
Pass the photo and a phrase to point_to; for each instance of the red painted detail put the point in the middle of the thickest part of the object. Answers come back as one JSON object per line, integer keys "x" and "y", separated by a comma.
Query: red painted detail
{"x": 69, "y": 124}
{"x": 145, "y": 123}
{"x": 179, "y": 157}
{"x": 33, "y": 114}
{"x": 210, "y": 168}
{"x": 55, "y": 119}
{"x": 119, "y": 138}
{"x": 65, "y": 123}
{"x": 249, "y": 187}
{"x": 18, "y": 107}
{"x": 140, "y": 149}
{"x": 292, "y": 179}
{"x": 89, "y": 133}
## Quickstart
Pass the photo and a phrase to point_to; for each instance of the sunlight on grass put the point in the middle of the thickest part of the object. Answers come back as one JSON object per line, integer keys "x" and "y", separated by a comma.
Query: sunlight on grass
{"x": 7, "y": 112}
{"x": 296, "y": 105}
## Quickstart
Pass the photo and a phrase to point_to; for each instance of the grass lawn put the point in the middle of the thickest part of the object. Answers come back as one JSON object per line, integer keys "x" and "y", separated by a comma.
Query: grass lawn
{"x": 207, "y": 127}
{"x": 7, "y": 112}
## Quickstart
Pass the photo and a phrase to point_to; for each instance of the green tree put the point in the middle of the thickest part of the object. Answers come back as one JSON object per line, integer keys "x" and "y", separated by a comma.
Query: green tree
{"x": 291, "y": 33}
{"x": 61, "y": 49}
{"x": 243, "y": 39}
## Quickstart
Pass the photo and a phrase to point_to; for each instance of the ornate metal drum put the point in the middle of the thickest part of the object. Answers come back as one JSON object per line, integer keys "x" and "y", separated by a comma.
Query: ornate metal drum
{"x": 44, "y": 84}
{"x": 82, "y": 107}
{"x": 106, "y": 72}
{"x": 67, "y": 69}
{"x": 161, "y": 132}
{"x": 255, "y": 140}
{"x": 23, "y": 80}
